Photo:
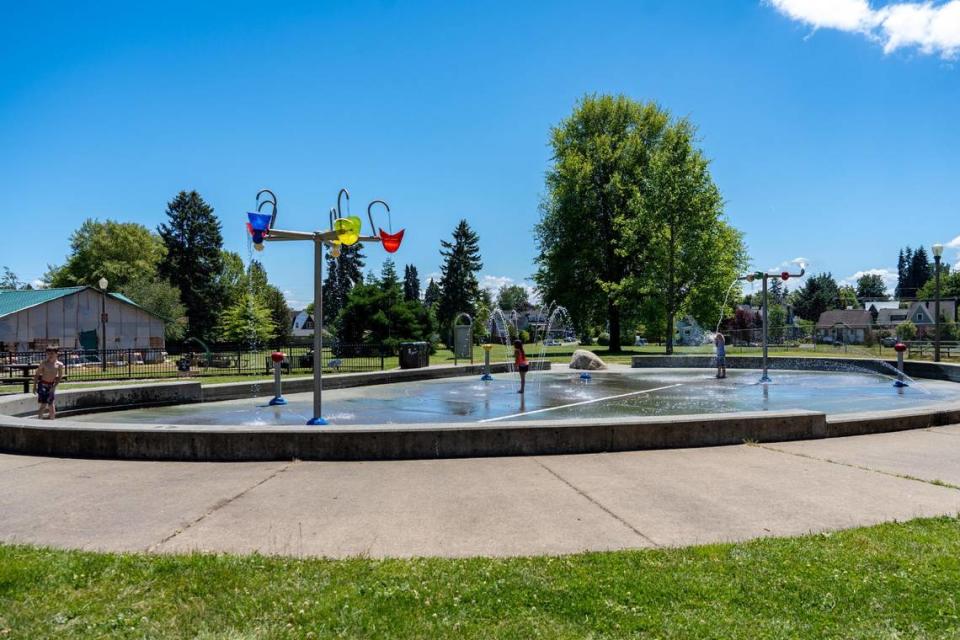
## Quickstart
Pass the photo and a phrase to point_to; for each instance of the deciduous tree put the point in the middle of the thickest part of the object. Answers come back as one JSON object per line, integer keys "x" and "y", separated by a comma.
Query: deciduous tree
{"x": 117, "y": 251}
{"x": 871, "y": 286}
{"x": 594, "y": 190}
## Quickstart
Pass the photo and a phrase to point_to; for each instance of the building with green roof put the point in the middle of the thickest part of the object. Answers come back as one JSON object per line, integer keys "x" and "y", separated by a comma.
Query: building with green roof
{"x": 70, "y": 318}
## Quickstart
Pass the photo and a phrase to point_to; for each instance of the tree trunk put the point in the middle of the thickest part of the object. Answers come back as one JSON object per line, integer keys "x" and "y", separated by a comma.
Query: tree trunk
{"x": 613, "y": 315}
{"x": 669, "y": 332}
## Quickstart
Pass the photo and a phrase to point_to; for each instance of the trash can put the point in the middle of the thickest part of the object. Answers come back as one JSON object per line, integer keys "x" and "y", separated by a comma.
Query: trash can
{"x": 414, "y": 355}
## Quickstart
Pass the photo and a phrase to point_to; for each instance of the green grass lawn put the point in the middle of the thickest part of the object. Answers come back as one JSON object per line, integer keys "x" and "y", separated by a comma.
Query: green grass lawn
{"x": 889, "y": 581}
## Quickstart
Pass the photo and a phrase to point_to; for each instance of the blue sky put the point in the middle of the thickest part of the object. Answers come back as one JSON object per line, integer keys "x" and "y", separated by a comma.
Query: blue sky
{"x": 832, "y": 124}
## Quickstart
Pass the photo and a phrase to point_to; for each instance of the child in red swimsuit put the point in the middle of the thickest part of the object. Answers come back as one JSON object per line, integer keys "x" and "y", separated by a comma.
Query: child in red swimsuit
{"x": 521, "y": 364}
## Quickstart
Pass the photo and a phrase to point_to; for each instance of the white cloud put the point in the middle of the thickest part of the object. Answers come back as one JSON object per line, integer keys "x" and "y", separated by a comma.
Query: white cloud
{"x": 493, "y": 283}
{"x": 955, "y": 243}
{"x": 889, "y": 277}
{"x": 38, "y": 284}
{"x": 931, "y": 27}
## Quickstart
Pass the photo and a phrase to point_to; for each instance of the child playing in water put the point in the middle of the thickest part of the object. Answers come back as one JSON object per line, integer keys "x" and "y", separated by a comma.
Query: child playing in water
{"x": 520, "y": 362}
{"x": 720, "y": 344}
{"x": 49, "y": 374}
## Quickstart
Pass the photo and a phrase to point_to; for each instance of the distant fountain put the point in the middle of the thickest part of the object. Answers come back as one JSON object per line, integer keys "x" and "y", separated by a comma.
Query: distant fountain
{"x": 499, "y": 326}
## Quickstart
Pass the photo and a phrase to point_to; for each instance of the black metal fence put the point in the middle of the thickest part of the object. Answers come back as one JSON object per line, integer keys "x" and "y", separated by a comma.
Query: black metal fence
{"x": 129, "y": 364}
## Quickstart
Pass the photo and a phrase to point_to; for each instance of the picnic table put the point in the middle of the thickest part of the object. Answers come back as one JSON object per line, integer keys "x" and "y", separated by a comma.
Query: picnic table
{"x": 25, "y": 369}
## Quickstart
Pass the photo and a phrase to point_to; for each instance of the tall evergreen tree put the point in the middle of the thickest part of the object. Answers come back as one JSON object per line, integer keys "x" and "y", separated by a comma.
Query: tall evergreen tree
{"x": 775, "y": 291}
{"x": 193, "y": 262}
{"x": 459, "y": 287}
{"x": 901, "y": 274}
{"x": 920, "y": 270}
{"x": 411, "y": 283}
{"x": 343, "y": 274}
{"x": 432, "y": 294}
{"x": 390, "y": 283}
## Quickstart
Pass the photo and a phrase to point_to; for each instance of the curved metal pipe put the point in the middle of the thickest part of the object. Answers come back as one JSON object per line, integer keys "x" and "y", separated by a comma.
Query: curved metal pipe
{"x": 339, "y": 195}
{"x": 373, "y": 228}
{"x": 333, "y": 216}
{"x": 272, "y": 201}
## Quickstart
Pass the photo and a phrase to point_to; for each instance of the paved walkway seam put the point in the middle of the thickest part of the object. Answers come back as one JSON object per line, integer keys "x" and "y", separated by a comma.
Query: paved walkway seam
{"x": 903, "y": 476}
{"x": 217, "y": 506}
{"x": 600, "y": 505}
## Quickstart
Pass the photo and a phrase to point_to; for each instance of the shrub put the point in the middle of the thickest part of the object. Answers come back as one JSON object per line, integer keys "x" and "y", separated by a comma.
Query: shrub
{"x": 603, "y": 339}
{"x": 524, "y": 336}
{"x": 906, "y": 330}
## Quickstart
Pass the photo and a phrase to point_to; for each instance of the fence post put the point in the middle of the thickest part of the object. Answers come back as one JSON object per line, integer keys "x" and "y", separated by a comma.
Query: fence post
{"x": 238, "y": 361}
{"x": 129, "y": 363}
{"x": 381, "y": 358}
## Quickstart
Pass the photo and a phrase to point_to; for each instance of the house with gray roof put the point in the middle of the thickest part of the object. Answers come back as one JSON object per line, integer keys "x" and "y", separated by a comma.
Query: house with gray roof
{"x": 70, "y": 318}
{"x": 849, "y": 326}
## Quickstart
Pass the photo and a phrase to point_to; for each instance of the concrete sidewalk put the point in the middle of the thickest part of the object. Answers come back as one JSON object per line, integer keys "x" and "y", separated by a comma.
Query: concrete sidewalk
{"x": 482, "y": 506}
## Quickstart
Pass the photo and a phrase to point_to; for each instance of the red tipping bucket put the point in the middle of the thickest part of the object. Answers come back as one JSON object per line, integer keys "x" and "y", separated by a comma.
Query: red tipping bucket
{"x": 391, "y": 241}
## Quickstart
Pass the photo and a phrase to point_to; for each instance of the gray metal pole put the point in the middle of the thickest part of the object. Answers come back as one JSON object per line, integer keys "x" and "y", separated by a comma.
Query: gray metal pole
{"x": 765, "y": 377}
{"x": 317, "y": 333}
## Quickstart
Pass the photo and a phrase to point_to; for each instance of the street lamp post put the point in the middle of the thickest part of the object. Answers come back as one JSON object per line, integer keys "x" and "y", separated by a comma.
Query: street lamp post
{"x": 937, "y": 254}
{"x": 103, "y": 323}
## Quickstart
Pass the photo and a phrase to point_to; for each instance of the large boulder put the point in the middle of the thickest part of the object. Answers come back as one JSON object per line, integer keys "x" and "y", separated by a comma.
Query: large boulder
{"x": 583, "y": 359}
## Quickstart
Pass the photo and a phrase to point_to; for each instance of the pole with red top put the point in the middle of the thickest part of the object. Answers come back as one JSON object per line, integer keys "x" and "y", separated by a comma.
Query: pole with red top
{"x": 278, "y": 399}
{"x": 900, "y": 348}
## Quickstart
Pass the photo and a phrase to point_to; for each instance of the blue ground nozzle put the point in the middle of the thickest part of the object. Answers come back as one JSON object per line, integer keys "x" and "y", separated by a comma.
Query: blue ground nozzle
{"x": 585, "y": 376}
{"x": 486, "y": 377}
{"x": 317, "y": 422}
{"x": 279, "y": 400}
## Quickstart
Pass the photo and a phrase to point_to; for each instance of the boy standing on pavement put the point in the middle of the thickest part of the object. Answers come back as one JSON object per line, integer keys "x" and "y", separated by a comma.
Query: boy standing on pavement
{"x": 49, "y": 374}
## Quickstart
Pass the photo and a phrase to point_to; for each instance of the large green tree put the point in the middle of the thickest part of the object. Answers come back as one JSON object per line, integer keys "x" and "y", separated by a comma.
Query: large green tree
{"x": 194, "y": 261}
{"x": 247, "y": 321}
{"x": 594, "y": 195}
{"x": 161, "y": 298}
{"x": 343, "y": 274}
{"x": 10, "y": 280}
{"x": 459, "y": 287}
{"x": 231, "y": 281}
{"x": 431, "y": 295}
{"x": 513, "y": 297}
{"x": 273, "y": 299}
{"x": 691, "y": 254}
{"x": 819, "y": 293}
{"x": 949, "y": 285}
{"x": 377, "y": 315}
{"x": 871, "y": 286}
{"x": 411, "y": 283}
{"x": 117, "y": 251}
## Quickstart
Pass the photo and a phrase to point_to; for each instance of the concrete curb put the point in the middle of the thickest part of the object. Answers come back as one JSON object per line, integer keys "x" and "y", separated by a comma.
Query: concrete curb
{"x": 169, "y": 442}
